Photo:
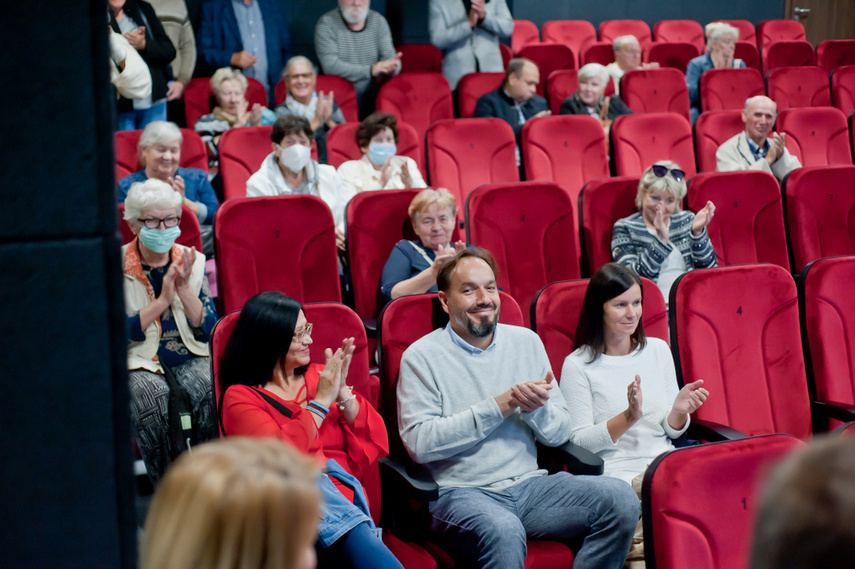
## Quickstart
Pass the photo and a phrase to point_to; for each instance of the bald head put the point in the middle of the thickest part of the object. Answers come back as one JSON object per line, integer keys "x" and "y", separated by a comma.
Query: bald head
{"x": 627, "y": 52}
{"x": 759, "y": 117}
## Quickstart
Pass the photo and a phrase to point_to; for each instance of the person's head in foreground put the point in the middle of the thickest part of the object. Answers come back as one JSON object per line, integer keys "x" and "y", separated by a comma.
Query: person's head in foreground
{"x": 153, "y": 212}
{"x": 660, "y": 191}
{"x": 236, "y": 503}
{"x": 806, "y": 515}
{"x": 521, "y": 79}
{"x": 291, "y": 141}
{"x": 592, "y": 79}
{"x": 433, "y": 213}
{"x": 469, "y": 294}
{"x": 759, "y": 117}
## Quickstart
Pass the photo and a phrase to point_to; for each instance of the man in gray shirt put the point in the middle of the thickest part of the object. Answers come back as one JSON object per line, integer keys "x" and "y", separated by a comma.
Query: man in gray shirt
{"x": 472, "y": 399}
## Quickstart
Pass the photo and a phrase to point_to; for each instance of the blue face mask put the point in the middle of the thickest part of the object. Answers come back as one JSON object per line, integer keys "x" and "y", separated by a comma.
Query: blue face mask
{"x": 159, "y": 241}
{"x": 378, "y": 152}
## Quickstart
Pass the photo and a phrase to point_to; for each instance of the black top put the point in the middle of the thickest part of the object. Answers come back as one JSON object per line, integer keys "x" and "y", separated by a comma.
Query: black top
{"x": 572, "y": 105}
{"x": 497, "y": 104}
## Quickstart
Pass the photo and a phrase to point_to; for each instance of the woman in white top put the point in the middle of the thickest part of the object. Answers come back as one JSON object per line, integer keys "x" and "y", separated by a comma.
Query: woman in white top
{"x": 380, "y": 168}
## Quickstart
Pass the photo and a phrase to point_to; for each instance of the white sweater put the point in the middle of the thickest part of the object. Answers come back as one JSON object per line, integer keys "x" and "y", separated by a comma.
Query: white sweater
{"x": 596, "y": 392}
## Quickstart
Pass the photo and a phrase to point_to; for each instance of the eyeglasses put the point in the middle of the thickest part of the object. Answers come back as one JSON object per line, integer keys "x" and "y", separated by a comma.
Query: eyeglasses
{"x": 154, "y": 223}
{"x": 659, "y": 171}
{"x": 301, "y": 335}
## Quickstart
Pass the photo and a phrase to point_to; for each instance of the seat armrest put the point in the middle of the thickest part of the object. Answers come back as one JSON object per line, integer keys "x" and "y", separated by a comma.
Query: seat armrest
{"x": 833, "y": 410}
{"x": 419, "y": 483}
{"x": 711, "y": 431}
{"x": 572, "y": 457}
{"x": 370, "y": 325}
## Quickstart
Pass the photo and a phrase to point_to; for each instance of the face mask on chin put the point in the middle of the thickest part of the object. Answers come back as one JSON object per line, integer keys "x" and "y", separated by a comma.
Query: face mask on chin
{"x": 295, "y": 157}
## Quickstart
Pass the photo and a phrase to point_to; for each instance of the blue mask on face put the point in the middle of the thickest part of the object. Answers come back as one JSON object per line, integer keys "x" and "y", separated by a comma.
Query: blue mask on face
{"x": 378, "y": 152}
{"x": 159, "y": 241}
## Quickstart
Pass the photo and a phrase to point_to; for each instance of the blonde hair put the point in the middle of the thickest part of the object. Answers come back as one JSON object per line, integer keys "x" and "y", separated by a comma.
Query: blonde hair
{"x": 233, "y": 503}
{"x": 427, "y": 197}
{"x": 650, "y": 183}
{"x": 227, "y": 74}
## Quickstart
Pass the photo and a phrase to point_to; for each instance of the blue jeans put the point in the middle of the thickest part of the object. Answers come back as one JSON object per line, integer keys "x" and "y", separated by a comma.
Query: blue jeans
{"x": 138, "y": 119}
{"x": 493, "y": 526}
{"x": 359, "y": 548}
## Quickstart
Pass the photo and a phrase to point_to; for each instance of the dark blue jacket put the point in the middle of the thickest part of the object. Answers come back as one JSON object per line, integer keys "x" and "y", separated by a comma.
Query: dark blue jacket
{"x": 497, "y": 104}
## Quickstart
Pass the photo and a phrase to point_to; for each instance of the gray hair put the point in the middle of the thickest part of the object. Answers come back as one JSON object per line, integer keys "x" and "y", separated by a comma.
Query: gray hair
{"x": 715, "y": 30}
{"x": 148, "y": 194}
{"x": 621, "y": 40}
{"x": 227, "y": 74}
{"x": 650, "y": 183}
{"x": 761, "y": 99}
{"x": 159, "y": 132}
{"x": 590, "y": 70}
{"x": 286, "y": 71}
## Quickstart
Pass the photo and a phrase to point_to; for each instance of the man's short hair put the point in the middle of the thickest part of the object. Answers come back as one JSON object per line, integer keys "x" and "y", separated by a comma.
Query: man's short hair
{"x": 620, "y": 40}
{"x": 758, "y": 98}
{"x": 443, "y": 279}
{"x": 515, "y": 66}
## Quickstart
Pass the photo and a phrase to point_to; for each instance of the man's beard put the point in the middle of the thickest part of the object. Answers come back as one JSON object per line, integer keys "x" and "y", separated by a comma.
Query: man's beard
{"x": 355, "y": 14}
{"x": 482, "y": 328}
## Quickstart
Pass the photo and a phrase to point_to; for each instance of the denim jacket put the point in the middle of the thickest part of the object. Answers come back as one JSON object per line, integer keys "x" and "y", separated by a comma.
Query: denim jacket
{"x": 339, "y": 516}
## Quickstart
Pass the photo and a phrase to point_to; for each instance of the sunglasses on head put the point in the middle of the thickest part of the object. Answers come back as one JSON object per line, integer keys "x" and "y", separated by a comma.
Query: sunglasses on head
{"x": 659, "y": 171}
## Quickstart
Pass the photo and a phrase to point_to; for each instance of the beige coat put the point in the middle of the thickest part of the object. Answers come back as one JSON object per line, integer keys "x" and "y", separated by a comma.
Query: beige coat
{"x": 735, "y": 154}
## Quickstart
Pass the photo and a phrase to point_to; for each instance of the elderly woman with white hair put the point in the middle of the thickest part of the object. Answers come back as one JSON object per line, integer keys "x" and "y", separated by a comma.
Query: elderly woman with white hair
{"x": 170, "y": 316}
{"x": 661, "y": 241}
{"x": 232, "y": 110}
{"x": 159, "y": 149}
{"x": 590, "y": 99}
{"x": 721, "y": 42}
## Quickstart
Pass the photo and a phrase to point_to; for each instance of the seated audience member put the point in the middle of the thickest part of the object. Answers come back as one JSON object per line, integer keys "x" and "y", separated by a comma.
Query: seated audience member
{"x": 251, "y": 35}
{"x": 589, "y": 98}
{"x": 757, "y": 147}
{"x": 170, "y": 316}
{"x": 627, "y": 57}
{"x": 473, "y": 398}
{"x": 128, "y": 72}
{"x": 412, "y": 266}
{"x": 159, "y": 148}
{"x": 355, "y": 43}
{"x": 236, "y": 502}
{"x": 137, "y": 22}
{"x": 176, "y": 23}
{"x": 660, "y": 241}
{"x": 604, "y": 378}
{"x": 271, "y": 389}
{"x": 807, "y": 508}
{"x": 721, "y": 42}
{"x": 301, "y": 99}
{"x": 380, "y": 168}
{"x": 289, "y": 170}
{"x": 232, "y": 110}
{"x": 516, "y": 100}
{"x": 469, "y": 40}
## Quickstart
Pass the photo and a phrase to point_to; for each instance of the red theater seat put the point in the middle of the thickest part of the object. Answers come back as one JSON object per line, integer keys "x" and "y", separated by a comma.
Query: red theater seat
{"x": 729, "y": 88}
{"x": 601, "y": 203}
{"x": 341, "y": 144}
{"x": 817, "y": 136}
{"x": 242, "y": 150}
{"x": 575, "y": 34}
{"x": 746, "y": 29}
{"x": 773, "y": 31}
{"x": 831, "y": 54}
{"x": 549, "y": 57}
{"x": 525, "y": 33}
{"x": 418, "y": 99}
{"x": 420, "y": 58}
{"x": 749, "y": 221}
{"x": 193, "y": 152}
{"x": 843, "y": 89}
{"x": 671, "y": 54}
{"x": 712, "y": 129}
{"x": 687, "y": 31}
{"x": 600, "y": 52}
{"x": 611, "y": 29}
{"x": 640, "y": 140}
{"x": 472, "y": 86}
{"x": 798, "y": 87}
{"x": 655, "y": 91}
{"x": 198, "y": 99}
{"x": 748, "y": 53}
{"x": 788, "y": 54}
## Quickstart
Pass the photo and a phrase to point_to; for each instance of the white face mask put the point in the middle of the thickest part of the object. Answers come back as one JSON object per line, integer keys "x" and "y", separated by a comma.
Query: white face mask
{"x": 295, "y": 157}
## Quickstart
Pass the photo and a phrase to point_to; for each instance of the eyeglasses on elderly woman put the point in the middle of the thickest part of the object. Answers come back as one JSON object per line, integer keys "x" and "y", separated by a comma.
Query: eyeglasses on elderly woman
{"x": 661, "y": 171}
{"x": 154, "y": 222}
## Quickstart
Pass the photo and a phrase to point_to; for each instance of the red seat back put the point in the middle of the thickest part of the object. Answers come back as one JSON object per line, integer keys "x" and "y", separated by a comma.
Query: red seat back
{"x": 831, "y": 54}
{"x": 749, "y": 222}
{"x": 242, "y": 150}
{"x": 746, "y": 29}
{"x": 548, "y": 57}
{"x": 798, "y": 87}
{"x": 199, "y": 100}
{"x": 507, "y": 55}
{"x": 562, "y": 83}
{"x": 773, "y": 31}
{"x": 687, "y": 31}
{"x": 191, "y": 233}
{"x": 575, "y": 34}
{"x": 686, "y": 526}
{"x": 748, "y": 53}
{"x": 193, "y": 152}
{"x": 601, "y": 52}
{"x": 843, "y": 89}
{"x": 737, "y": 328}
{"x": 555, "y": 313}
{"x": 602, "y": 202}
{"x": 420, "y": 58}
{"x": 820, "y": 207}
{"x": 282, "y": 243}
{"x": 341, "y": 144}
{"x": 418, "y": 99}
{"x": 655, "y": 90}
{"x": 462, "y": 154}
{"x": 470, "y": 88}
{"x": 788, "y": 54}
{"x": 611, "y": 29}
{"x": 530, "y": 229}
{"x": 671, "y": 54}
{"x": 729, "y": 88}
{"x": 640, "y": 140}
{"x": 525, "y": 32}
{"x": 817, "y": 136}
{"x": 712, "y": 129}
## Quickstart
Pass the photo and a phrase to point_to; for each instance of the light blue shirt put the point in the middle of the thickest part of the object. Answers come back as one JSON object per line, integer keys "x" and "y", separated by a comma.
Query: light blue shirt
{"x": 251, "y": 25}
{"x": 756, "y": 150}
{"x": 458, "y": 341}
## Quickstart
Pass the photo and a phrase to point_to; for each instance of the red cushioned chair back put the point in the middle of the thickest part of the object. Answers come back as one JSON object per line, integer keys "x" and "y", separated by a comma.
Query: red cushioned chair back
{"x": 601, "y": 203}
{"x": 549, "y": 57}
{"x": 219, "y": 339}
{"x": 611, "y": 29}
{"x": 712, "y": 129}
{"x": 748, "y": 53}
{"x": 507, "y": 55}
{"x": 420, "y": 58}
{"x": 470, "y": 88}
{"x": 242, "y": 150}
{"x": 555, "y": 313}
{"x": 820, "y": 208}
{"x": 191, "y": 233}
{"x": 418, "y": 99}
{"x": 655, "y": 91}
{"x": 798, "y": 87}
{"x": 749, "y": 221}
{"x": 255, "y": 92}
{"x": 685, "y": 31}
{"x": 674, "y": 55}
{"x": 193, "y": 152}
{"x": 843, "y": 89}
{"x": 817, "y": 136}
{"x": 722, "y": 89}
{"x": 575, "y": 34}
{"x": 737, "y": 328}
{"x": 686, "y": 524}
{"x": 530, "y": 229}
{"x": 774, "y": 31}
{"x": 525, "y": 32}
{"x": 199, "y": 100}
{"x": 343, "y": 93}
{"x": 831, "y": 54}
{"x": 747, "y": 33}
{"x": 341, "y": 144}
{"x": 563, "y": 83}
{"x": 462, "y": 154}
{"x": 640, "y": 140}
{"x": 284, "y": 243}
{"x": 788, "y": 54}
{"x": 601, "y": 52}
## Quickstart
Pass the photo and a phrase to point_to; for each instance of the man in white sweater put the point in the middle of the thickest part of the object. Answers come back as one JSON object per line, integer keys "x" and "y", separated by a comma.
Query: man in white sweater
{"x": 473, "y": 398}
